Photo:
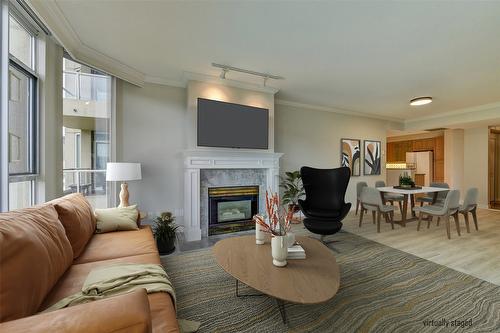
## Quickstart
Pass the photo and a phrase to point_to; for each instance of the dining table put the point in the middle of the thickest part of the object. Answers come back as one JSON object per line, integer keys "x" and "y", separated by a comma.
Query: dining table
{"x": 409, "y": 198}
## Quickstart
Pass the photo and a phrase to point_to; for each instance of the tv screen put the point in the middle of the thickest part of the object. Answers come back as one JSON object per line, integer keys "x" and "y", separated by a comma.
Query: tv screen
{"x": 231, "y": 125}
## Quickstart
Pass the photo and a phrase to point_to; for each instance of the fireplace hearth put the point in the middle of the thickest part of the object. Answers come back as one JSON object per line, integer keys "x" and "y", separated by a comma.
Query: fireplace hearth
{"x": 231, "y": 208}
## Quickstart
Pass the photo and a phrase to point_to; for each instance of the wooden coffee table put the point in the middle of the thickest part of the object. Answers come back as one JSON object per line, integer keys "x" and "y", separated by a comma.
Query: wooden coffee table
{"x": 313, "y": 280}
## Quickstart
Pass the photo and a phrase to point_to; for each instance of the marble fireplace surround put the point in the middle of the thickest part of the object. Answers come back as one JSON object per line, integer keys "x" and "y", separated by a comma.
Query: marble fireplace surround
{"x": 213, "y": 168}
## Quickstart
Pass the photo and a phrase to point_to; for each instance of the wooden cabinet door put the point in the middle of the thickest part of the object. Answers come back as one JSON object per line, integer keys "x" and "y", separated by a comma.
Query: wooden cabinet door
{"x": 390, "y": 152}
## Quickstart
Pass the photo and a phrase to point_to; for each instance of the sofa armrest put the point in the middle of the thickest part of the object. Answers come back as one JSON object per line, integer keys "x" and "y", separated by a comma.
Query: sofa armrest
{"x": 123, "y": 313}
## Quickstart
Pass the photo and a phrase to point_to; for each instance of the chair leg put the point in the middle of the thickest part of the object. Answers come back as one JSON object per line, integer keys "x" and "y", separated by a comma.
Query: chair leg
{"x": 391, "y": 215}
{"x": 378, "y": 221}
{"x": 466, "y": 217}
{"x": 419, "y": 220}
{"x": 357, "y": 206}
{"x": 447, "y": 218}
{"x": 361, "y": 216}
{"x": 474, "y": 216}
{"x": 439, "y": 219}
{"x": 373, "y": 215}
{"x": 429, "y": 219}
{"x": 457, "y": 224}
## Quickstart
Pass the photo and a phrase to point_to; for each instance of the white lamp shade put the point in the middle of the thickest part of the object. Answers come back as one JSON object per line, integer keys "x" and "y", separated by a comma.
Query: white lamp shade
{"x": 123, "y": 172}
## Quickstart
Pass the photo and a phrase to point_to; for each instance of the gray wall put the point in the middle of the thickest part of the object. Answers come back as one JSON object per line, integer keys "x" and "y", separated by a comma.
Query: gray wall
{"x": 149, "y": 130}
{"x": 312, "y": 138}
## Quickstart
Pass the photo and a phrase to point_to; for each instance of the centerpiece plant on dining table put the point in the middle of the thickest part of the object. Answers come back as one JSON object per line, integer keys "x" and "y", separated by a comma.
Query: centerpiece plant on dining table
{"x": 277, "y": 223}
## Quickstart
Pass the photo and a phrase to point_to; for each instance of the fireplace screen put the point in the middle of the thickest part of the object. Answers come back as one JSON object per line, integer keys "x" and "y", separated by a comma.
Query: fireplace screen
{"x": 232, "y": 208}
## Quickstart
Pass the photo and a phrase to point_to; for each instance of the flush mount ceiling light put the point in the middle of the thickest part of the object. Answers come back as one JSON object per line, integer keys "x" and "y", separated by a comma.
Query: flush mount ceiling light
{"x": 421, "y": 101}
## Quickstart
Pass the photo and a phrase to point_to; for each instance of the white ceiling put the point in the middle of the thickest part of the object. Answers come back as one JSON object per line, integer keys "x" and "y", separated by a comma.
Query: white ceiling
{"x": 370, "y": 57}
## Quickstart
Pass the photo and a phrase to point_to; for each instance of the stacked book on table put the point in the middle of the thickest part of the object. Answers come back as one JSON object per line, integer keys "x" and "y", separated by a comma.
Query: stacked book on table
{"x": 296, "y": 252}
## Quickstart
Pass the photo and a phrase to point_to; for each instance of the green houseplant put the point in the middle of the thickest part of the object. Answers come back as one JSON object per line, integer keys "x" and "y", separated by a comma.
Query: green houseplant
{"x": 406, "y": 181}
{"x": 165, "y": 232}
{"x": 293, "y": 189}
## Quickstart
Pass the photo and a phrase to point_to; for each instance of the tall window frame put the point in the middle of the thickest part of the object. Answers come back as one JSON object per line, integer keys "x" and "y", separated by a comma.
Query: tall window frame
{"x": 23, "y": 183}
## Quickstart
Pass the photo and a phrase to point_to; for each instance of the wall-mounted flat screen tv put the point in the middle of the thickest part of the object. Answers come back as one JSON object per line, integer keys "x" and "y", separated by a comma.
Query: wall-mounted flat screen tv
{"x": 232, "y": 125}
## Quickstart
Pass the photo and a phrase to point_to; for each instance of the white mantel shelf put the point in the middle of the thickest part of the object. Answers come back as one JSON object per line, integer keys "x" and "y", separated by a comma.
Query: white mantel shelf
{"x": 196, "y": 160}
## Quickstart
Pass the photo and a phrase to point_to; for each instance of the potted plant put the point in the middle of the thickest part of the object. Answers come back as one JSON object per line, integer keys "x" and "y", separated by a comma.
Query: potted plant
{"x": 165, "y": 232}
{"x": 293, "y": 189}
{"x": 406, "y": 181}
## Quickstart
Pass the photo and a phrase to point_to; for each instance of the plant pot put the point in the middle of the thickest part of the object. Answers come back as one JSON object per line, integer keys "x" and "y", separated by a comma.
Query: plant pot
{"x": 165, "y": 246}
{"x": 279, "y": 250}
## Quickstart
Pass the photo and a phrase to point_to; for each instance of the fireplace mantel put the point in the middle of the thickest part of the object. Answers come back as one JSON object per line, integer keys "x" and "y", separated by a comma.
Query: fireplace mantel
{"x": 196, "y": 160}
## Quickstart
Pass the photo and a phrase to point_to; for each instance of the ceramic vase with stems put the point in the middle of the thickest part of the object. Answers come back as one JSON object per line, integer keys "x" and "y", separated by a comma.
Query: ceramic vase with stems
{"x": 279, "y": 250}
{"x": 277, "y": 223}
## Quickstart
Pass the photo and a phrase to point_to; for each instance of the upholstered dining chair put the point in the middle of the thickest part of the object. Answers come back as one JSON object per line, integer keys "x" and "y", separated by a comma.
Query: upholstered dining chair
{"x": 324, "y": 205}
{"x": 359, "y": 188}
{"x": 429, "y": 197}
{"x": 449, "y": 208}
{"x": 392, "y": 197}
{"x": 470, "y": 206}
{"x": 372, "y": 201}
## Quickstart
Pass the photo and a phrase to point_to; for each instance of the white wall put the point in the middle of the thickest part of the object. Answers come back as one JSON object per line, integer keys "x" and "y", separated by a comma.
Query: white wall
{"x": 475, "y": 163}
{"x": 196, "y": 89}
{"x": 312, "y": 138}
{"x": 454, "y": 159}
{"x": 150, "y": 130}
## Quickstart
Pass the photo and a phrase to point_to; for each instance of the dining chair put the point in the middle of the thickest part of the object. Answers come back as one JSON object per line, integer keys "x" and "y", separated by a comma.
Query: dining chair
{"x": 429, "y": 197}
{"x": 469, "y": 206}
{"x": 391, "y": 197}
{"x": 359, "y": 188}
{"x": 372, "y": 201}
{"x": 450, "y": 207}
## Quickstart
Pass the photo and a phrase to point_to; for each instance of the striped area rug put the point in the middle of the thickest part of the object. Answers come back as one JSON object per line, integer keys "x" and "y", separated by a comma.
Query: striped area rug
{"x": 382, "y": 290}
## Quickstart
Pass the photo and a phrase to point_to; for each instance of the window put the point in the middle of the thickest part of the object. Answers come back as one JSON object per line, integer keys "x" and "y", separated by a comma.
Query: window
{"x": 21, "y": 42}
{"x": 87, "y": 120}
{"x": 22, "y": 115}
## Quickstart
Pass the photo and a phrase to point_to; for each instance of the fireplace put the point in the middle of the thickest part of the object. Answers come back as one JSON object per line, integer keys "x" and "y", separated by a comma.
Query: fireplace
{"x": 231, "y": 209}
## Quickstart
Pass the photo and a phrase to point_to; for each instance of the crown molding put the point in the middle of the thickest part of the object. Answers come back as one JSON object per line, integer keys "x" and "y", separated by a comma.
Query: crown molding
{"x": 337, "y": 110}
{"x": 189, "y": 76}
{"x": 165, "y": 82}
{"x": 53, "y": 17}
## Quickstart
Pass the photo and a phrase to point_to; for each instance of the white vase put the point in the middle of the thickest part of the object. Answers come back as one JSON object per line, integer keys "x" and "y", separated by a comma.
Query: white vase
{"x": 259, "y": 234}
{"x": 279, "y": 250}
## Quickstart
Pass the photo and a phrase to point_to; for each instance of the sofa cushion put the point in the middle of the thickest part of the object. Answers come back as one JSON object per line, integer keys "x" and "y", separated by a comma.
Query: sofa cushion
{"x": 35, "y": 253}
{"x": 118, "y": 244}
{"x": 116, "y": 219}
{"x": 163, "y": 313}
{"x": 77, "y": 217}
{"x": 72, "y": 281}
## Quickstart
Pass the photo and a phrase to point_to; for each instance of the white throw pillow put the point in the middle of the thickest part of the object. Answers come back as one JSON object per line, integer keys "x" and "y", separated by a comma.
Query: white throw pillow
{"x": 116, "y": 219}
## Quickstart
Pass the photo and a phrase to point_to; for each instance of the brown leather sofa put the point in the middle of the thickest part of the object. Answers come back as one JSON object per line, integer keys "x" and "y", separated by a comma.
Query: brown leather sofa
{"x": 46, "y": 253}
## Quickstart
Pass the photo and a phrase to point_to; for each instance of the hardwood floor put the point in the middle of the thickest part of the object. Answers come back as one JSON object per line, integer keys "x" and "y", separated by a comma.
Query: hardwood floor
{"x": 476, "y": 253}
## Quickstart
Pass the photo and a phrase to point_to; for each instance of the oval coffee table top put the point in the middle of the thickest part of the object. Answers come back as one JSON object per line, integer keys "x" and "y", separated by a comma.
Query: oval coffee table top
{"x": 315, "y": 279}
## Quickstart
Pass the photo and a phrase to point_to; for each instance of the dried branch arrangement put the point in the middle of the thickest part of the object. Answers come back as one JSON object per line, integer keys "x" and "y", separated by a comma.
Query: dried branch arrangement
{"x": 278, "y": 218}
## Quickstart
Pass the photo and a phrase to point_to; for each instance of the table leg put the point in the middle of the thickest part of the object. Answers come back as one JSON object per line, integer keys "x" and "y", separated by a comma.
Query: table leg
{"x": 245, "y": 295}
{"x": 412, "y": 200}
{"x": 405, "y": 209}
{"x": 281, "y": 307}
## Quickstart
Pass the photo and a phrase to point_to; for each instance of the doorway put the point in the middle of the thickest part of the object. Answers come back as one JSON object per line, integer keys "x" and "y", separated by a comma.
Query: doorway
{"x": 494, "y": 168}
